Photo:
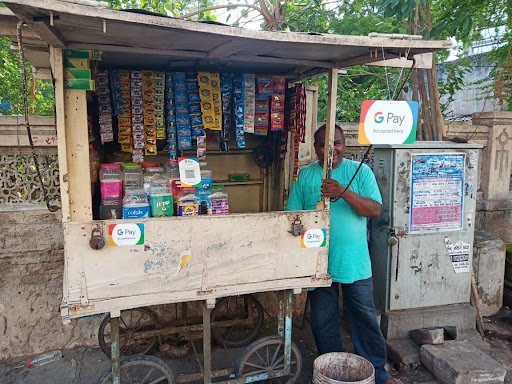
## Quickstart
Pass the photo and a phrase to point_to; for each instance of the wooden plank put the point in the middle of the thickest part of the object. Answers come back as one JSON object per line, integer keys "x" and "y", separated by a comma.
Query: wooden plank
{"x": 128, "y": 302}
{"x": 141, "y": 24}
{"x": 133, "y": 18}
{"x": 193, "y": 258}
{"x": 42, "y": 73}
{"x": 422, "y": 61}
{"x": 42, "y": 28}
{"x": 138, "y": 50}
{"x": 77, "y": 142}
{"x": 374, "y": 55}
{"x": 281, "y": 60}
{"x": 225, "y": 49}
{"x": 57, "y": 68}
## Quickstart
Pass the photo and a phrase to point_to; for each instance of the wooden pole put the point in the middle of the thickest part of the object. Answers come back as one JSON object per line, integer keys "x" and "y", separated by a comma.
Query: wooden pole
{"x": 57, "y": 70}
{"x": 425, "y": 108}
{"x": 330, "y": 121}
{"x": 476, "y": 303}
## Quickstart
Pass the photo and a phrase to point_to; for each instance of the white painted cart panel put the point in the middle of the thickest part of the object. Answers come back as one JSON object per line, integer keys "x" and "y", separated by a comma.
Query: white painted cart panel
{"x": 185, "y": 259}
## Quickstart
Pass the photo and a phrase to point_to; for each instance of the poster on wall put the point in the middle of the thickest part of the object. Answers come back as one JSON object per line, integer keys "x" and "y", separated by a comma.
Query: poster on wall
{"x": 437, "y": 192}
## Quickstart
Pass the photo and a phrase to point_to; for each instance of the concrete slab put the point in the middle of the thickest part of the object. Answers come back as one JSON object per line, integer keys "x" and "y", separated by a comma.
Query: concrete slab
{"x": 458, "y": 362}
{"x": 398, "y": 324}
{"x": 403, "y": 351}
{"x": 416, "y": 374}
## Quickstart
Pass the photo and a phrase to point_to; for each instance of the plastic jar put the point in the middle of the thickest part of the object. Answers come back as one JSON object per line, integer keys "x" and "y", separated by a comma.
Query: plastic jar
{"x": 160, "y": 197}
{"x": 132, "y": 175}
{"x": 111, "y": 182}
{"x": 150, "y": 174}
{"x": 218, "y": 203}
{"x": 135, "y": 203}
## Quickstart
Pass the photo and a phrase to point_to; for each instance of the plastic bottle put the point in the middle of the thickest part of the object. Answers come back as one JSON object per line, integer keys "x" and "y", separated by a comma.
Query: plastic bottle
{"x": 135, "y": 203}
{"x": 188, "y": 202}
{"x": 218, "y": 201}
{"x": 43, "y": 359}
{"x": 111, "y": 182}
{"x": 160, "y": 197}
{"x": 173, "y": 173}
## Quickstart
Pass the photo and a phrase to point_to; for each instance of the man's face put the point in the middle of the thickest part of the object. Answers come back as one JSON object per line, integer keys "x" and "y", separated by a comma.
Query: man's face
{"x": 339, "y": 148}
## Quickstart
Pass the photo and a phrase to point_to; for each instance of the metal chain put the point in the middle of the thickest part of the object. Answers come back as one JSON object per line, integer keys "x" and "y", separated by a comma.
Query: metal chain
{"x": 21, "y": 23}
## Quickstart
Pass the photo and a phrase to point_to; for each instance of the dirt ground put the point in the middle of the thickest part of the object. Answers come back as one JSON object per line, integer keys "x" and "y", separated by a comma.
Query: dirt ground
{"x": 86, "y": 365}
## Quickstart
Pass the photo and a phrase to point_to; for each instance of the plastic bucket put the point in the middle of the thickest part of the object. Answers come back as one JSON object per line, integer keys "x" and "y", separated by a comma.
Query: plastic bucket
{"x": 341, "y": 367}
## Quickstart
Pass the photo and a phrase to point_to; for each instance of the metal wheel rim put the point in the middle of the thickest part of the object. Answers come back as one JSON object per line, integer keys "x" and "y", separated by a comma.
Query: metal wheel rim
{"x": 267, "y": 355}
{"x": 227, "y": 309}
{"x": 141, "y": 370}
{"x": 129, "y": 324}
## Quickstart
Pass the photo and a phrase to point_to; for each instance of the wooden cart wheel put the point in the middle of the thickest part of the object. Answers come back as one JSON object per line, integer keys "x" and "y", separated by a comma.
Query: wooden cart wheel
{"x": 131, "y": 322}
{"x": 141, "y": 370}
{"x": 237, "y": 308}
{"x": 266, "y": 356}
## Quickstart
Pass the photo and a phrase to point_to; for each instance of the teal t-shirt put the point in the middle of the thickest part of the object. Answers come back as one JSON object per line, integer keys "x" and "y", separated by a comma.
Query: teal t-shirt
{"x": 349, "y": 259}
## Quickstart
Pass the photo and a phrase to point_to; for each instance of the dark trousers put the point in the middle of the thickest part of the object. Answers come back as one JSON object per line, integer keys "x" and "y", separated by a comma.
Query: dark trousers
{"x": 359, "y": 311}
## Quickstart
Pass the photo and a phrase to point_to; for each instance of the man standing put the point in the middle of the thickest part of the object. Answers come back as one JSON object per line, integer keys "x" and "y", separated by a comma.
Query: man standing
{"x": 349, "y": 259}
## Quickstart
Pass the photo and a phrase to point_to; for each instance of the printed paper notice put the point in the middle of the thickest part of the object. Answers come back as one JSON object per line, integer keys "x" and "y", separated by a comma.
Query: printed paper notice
{"x": 437, "y": 192}
{"x": 459, "y": 254}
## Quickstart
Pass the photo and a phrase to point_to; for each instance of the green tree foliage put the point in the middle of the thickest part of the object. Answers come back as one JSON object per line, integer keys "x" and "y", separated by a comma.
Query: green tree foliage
{"x": 174, "y": 8}
{"x": 356, "y": 83}
{"x": 467, "y": 21}
{"x": 41, "y": 95}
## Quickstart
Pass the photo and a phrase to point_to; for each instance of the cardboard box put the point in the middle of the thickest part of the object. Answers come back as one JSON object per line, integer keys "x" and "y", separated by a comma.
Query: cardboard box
{"x": 86, "y": 85}
{"x": 84, "y": 54}
{"x": 76, "y": 74}
{"x": 71, "y": 62}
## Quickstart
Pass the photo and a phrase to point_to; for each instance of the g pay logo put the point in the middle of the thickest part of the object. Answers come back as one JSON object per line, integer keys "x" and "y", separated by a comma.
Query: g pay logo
{"x": 126, "y": 234}
{"x": 378, "y": 117}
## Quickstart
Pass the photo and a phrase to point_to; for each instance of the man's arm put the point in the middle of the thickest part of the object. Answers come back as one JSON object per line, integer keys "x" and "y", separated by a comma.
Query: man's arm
{"x": 362, "y": 205}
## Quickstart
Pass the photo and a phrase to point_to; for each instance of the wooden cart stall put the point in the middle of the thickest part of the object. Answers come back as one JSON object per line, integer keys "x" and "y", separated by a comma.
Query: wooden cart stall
{"x": 181, "y": 259}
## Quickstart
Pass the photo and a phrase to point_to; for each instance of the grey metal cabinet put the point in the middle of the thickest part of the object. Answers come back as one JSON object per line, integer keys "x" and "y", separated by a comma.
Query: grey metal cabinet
{"x": 422, "y": 244}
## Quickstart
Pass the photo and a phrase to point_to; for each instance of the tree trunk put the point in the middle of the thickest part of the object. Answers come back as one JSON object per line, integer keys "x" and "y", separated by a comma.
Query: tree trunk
{"x": 425, "y": 107}
{"x": 437, "y": 115}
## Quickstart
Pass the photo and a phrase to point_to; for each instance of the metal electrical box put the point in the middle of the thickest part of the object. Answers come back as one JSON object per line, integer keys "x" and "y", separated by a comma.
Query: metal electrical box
{"x": 422, "y": 244}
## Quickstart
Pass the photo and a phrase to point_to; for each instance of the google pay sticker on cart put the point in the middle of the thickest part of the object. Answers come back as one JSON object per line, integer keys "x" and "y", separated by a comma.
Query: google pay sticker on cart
{"x": 126, "y": 234}
{"x": 388, "y": 122}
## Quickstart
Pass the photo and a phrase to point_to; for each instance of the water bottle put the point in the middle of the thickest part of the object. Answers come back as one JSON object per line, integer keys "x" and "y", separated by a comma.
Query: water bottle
{"x": 135, "y": 203}
{"x": 43, "y": 359}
